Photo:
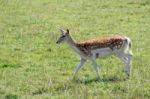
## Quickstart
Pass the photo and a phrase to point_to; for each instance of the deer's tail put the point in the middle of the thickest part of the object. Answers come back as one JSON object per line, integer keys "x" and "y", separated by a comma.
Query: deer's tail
{"x": 128, "y": 46}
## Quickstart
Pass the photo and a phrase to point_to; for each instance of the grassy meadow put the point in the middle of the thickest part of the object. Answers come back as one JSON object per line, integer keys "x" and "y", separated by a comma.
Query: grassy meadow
{"x": 32, "y": 66}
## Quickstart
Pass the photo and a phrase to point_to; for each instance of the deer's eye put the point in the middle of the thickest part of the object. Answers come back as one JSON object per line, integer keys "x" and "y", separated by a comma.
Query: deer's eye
{"x": 63, "y": 36}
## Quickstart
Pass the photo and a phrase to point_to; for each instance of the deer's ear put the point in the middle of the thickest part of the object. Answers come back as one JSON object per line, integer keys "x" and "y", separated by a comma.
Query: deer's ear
{"x": 68, "y": 31}
{"x": 61, "y": 30}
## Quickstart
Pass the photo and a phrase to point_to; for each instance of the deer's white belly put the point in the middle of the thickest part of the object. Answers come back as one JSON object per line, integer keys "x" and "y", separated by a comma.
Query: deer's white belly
{"x": 103, "y": 52}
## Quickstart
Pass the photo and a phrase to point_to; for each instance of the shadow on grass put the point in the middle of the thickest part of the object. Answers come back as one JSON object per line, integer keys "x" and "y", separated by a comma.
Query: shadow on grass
{"x": 113, "y": 79}
{"x": 105, "y": 80}
{"x": 40, "y": 91}
{"x": 9, "y": 65}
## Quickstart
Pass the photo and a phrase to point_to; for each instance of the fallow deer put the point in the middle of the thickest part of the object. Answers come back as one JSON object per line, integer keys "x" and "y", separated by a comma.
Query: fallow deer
{"x": 119, "y": 46}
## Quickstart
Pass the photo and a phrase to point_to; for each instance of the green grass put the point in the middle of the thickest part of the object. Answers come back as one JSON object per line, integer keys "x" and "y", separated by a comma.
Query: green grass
{"x": 32, "y": 66}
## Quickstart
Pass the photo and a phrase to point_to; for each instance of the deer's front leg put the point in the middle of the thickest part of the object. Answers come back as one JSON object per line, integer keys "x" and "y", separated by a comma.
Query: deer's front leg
{"x": 82, "y": 61}
{"x": 96, "y": 68}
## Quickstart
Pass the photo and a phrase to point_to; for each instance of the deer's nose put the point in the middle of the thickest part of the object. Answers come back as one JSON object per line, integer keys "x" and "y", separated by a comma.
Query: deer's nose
{"x": 57, "y": 42}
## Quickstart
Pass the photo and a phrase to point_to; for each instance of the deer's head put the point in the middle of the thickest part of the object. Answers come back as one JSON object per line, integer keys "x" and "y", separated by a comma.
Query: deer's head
{"x": 64, "y": 36}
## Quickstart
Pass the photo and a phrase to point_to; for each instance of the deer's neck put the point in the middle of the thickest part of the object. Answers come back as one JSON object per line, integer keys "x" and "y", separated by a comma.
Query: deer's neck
{"x": 72, "y": 43}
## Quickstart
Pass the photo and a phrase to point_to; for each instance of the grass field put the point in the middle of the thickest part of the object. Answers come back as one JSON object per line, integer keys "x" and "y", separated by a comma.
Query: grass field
{"x": 32, "y": 66}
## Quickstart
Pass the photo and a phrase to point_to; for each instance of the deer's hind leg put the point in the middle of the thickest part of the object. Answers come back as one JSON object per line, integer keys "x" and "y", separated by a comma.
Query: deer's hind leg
{"x": 128, "y": 64}
{"x": 127, "y": 59}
